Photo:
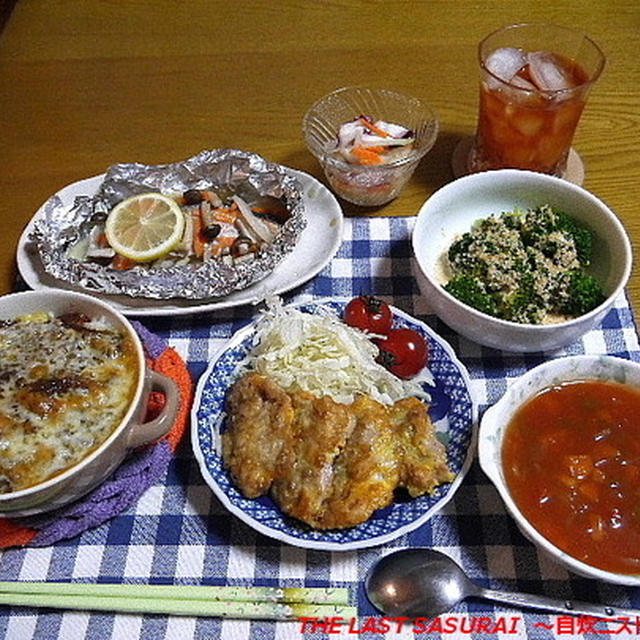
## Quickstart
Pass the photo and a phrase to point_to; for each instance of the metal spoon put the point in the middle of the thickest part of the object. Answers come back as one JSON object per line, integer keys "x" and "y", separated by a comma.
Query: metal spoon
{"x": 424, "y": 582}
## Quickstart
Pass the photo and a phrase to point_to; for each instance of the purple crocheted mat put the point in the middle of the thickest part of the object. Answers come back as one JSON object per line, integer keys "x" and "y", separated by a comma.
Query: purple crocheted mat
{"x": 139, "y": 471}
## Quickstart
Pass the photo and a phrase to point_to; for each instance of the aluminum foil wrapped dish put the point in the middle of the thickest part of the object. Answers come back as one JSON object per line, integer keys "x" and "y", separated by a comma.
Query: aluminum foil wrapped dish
{"x": 235, "y": 217}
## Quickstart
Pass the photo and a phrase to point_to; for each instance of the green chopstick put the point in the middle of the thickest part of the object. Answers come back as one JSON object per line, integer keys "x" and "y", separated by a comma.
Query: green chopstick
{"x": 284, "y": 595}
{"x": 166, "y": 606}
{"x": 254, "y": 603}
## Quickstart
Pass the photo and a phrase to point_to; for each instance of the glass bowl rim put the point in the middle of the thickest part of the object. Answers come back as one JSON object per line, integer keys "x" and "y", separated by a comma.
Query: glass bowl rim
{"x": 430, "y": 119}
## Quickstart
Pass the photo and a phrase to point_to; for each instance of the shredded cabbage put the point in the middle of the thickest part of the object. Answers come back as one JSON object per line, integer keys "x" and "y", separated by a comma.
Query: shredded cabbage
{"x": 320, "y": 354}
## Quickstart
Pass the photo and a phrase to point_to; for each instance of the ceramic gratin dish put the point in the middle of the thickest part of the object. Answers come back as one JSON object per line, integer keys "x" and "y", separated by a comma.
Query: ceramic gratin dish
{"x": 131, "y": 432}
{"x": 494, "y": 424}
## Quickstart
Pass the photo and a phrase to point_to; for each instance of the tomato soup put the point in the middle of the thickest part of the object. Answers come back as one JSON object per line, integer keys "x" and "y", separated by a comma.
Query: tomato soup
{"x": 571, "y": 458}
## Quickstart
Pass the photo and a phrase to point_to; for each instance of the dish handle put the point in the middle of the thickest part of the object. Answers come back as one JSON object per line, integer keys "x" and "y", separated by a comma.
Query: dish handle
{"x": 490, "y": 443}
{"x": 146, "y": 432}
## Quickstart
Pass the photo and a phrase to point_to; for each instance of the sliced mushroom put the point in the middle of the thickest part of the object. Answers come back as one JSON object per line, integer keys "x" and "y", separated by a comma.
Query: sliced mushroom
{"x": 98, "y": 247}
{"x": 248, "y": 257}
{"x": 256, "y": 226}
{"x": 243, "y": 246}
{"x": 187, "y": 235}
{"x": 210, "y": 228}
{"x": 212, "y": 197}
{"x": 192, "y": 196}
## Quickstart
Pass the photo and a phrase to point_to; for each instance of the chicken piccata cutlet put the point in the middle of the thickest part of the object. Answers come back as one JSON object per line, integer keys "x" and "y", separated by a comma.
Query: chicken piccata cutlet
{"x": 328, "y": 464}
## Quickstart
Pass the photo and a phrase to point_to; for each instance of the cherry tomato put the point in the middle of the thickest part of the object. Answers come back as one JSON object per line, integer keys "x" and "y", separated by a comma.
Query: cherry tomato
{"x": 404, "y": 352}
{"x": 369, "y": 314}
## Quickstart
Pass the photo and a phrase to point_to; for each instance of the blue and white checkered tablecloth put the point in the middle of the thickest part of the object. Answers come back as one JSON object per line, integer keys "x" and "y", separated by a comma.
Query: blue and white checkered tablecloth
{"x": 178, "y": 533}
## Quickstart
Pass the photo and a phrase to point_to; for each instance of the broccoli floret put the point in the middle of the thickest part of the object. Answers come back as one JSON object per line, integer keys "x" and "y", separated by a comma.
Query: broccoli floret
{"x": 538, "y": 223}
{"x": 460, "y": 247}
{"x": 583, "y": 294}
{"x": 471, "y": 292}
{"x": 541, "y": 222}
{"x": 523, "y": 305}
{"x": 583, "y": 237}
{"x": 512, "y": 220}
{"x": 462, "y": 259}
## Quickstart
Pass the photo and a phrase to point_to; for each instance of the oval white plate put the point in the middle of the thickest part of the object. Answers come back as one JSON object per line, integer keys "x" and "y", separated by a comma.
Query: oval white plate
{"x": 318, "y": 243}
{"x": 453, "y": 413}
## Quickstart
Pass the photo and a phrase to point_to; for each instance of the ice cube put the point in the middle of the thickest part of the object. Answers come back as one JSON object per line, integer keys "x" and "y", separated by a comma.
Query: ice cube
{"x": 548, "y": 72}
{"x": 529, "y": 124}
{"x": 522, "y": 83}
{"x": 506, "y": 62}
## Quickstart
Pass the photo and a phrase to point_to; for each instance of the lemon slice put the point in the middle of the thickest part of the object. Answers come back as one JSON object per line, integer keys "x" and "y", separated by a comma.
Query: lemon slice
{"x": 145, "y": 227}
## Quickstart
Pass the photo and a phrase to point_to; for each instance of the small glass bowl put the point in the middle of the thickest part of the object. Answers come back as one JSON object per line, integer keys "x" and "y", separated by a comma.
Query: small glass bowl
{"x": 367, "y": 185}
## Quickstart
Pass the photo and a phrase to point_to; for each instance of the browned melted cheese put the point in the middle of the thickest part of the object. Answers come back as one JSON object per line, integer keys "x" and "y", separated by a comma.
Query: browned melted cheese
{"x": 65, "y": 385}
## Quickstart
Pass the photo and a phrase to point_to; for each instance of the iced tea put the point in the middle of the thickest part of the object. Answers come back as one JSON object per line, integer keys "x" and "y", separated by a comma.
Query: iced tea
{"x": 530, "y": 104}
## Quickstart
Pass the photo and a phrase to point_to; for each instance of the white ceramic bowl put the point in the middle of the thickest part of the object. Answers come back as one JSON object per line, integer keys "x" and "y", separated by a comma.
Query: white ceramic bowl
{"x": 131, "y": 431}
{"x": 496, "y": 419}
{"x": 452, "y": 210}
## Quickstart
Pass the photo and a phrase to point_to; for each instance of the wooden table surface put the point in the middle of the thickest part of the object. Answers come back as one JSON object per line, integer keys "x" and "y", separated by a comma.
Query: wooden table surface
{"x": 84, "y": 85}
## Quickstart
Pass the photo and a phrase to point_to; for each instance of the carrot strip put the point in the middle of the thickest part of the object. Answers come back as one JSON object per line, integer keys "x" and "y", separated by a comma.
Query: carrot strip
{"x": 221, "y": 243}
{"x": 366, "y": 156}
{"x": 198, "y": 244}
{"x": 378, "y": 149}
{"x": 372, "y": 127}
{"x": 121, "y": 263}
{"x": 224, "y": 215}
{"x": 102, "y": 241}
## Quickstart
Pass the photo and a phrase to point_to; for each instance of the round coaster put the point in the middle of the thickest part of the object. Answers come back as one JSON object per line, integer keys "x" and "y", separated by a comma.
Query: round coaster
{"x": 574, "y": 171}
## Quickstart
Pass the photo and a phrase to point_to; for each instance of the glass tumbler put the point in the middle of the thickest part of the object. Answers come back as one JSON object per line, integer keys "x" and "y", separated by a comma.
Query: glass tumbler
{"x": 534, "y": 83}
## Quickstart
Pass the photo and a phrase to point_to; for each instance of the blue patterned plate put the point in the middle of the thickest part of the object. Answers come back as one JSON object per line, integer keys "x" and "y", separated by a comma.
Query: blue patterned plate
{"x": 452, "y": 411}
